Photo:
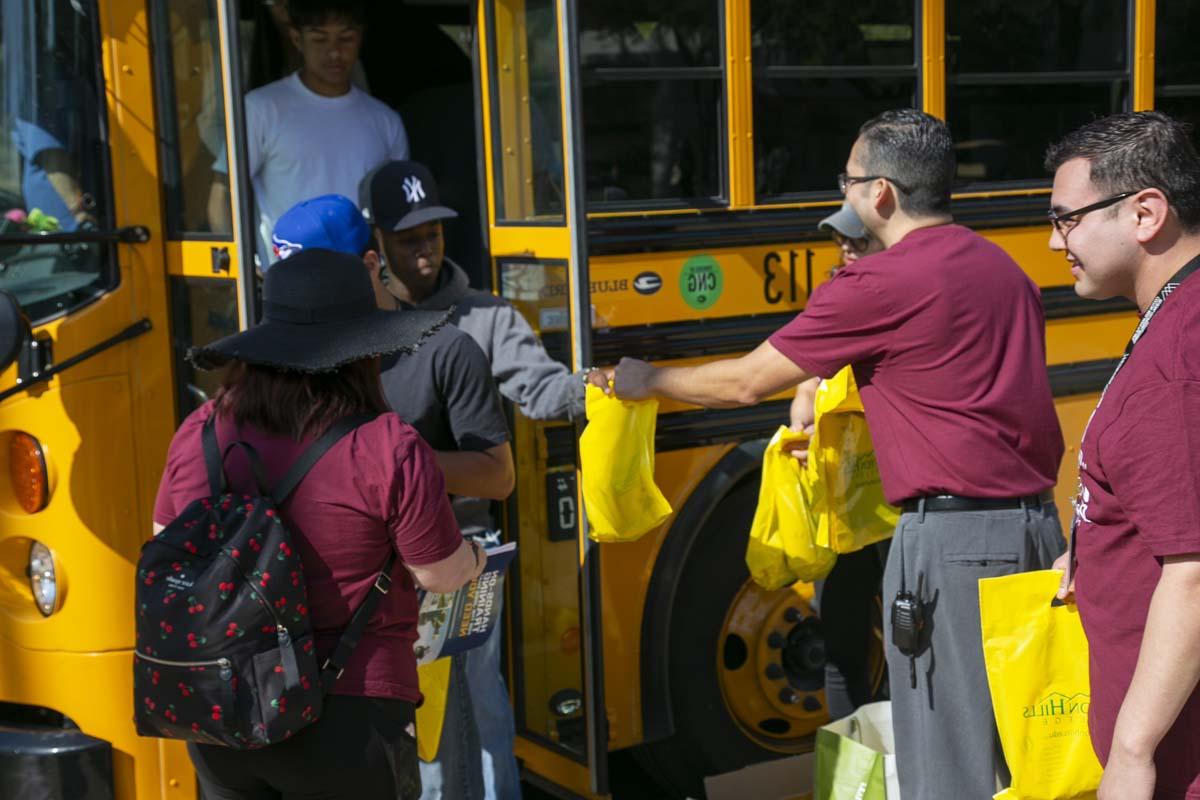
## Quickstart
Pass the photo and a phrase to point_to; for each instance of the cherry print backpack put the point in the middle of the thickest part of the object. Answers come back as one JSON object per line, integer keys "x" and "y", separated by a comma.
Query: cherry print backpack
{"x": 224, "y": 649}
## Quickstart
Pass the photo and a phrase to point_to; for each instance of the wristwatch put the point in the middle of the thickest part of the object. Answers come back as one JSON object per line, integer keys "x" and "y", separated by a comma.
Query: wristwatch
{"x": 478, "y": 551}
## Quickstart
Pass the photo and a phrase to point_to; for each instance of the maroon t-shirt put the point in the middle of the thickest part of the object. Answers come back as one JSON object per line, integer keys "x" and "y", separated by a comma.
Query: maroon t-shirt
{"x": 947, "y": 339}
{"x": 376, "y": 489}
{"x": 1140, "y": 469}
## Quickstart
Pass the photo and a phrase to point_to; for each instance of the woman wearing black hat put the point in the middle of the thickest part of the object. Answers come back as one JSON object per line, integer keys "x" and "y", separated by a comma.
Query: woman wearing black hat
{"x": 315, "y": 360}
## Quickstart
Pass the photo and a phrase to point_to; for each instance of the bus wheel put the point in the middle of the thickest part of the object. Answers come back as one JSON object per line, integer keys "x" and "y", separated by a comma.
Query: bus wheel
{"x": 745, "y": 665}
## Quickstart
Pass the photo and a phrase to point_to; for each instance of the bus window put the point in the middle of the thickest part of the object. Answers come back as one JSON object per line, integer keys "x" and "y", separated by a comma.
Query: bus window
{"x": 1022, "y": 73}
{"x": 820, "y": 70}
{"x": 524, "y": 76}
{"x": 192, "y": 117}
{"x": 653, "y": 103}
{"x": 1176, "y": 85}
{"x": 53, "y": 155}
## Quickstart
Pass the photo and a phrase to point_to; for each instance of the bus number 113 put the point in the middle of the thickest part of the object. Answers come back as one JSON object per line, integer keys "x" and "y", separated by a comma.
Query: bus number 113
{"x": 776, "y": 283}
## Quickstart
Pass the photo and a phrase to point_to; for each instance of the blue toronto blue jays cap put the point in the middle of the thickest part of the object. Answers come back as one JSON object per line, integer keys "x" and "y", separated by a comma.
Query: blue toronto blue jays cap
{"x": 328, "y": 222}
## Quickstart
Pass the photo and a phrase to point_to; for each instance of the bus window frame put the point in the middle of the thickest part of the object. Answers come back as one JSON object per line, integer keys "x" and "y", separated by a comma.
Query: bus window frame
{"x": 1053, "y": 77}
{"x": 723, "y": 199}
{"x": 1160, "y": 88}
{"x": 495, "y": 189}
{"x": 170, "y": 176}
{"x": 110, "y": 267}
{"x": 891, "y": 72}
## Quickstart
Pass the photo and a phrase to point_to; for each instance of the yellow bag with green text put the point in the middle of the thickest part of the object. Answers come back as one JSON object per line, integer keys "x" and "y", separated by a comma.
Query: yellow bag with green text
{"x": 782, "y": 548}
{"x": 1037, "y": 666}
{"x": 616, "y": 455}
{"x": 434, "y": 680}
{"x": 847, "y": 493}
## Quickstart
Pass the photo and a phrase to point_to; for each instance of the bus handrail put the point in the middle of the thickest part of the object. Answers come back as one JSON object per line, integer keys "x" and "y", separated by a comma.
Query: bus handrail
{"x": 42, "y": 376}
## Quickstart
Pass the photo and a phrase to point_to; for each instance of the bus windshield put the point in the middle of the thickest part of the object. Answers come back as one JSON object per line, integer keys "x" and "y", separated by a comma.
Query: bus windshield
{"x": 53, "y": 156}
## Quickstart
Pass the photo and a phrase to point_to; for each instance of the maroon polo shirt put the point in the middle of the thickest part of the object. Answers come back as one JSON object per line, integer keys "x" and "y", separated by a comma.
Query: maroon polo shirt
{"x": 947, "y": 339}
{"x": 1140, "y": 470}
{"x": 377, "y": 488}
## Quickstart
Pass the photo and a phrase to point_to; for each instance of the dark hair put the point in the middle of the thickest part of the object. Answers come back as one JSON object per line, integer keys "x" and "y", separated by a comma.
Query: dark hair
{"x": 312, "y": 13}
{"x": 298, "y": 404}
{"x": 1138, "y": 150}
{"x": 915, "y": 150}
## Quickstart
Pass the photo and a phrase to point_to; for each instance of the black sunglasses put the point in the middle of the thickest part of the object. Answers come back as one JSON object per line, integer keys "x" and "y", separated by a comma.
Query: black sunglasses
{"x": 845, "y": 181}
{"x": 1066, "y": 221}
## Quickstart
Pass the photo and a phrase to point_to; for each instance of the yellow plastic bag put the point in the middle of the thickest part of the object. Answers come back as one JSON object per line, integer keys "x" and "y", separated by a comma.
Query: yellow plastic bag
{"x": 434, "y": 680}
{"x": 847, "y": 493}
{"x": 782, "y": 549}
{"x": 1037, "y": 666}
{"x": 616, "y": 454}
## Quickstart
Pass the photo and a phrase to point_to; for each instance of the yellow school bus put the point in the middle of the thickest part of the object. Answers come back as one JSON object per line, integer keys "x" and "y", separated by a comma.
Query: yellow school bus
{"x": 639, "y": 179}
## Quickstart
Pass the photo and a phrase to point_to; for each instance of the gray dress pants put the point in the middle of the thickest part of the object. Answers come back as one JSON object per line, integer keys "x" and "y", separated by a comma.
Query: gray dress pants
{"x": 946, "y": 742}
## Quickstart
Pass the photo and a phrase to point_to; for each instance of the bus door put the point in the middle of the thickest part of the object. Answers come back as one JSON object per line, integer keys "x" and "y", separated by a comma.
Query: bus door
{"x": 210, "y": 267}
{"x": 539, "y": 264}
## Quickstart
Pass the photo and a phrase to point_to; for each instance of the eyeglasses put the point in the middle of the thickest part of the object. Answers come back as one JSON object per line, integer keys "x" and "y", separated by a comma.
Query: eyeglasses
{"x": 1065, "y": 222}
{"x": 845, "y": 181}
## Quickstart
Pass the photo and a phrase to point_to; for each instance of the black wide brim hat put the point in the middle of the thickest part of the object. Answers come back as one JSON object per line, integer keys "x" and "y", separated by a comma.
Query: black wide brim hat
{"x": 319, "y": 314}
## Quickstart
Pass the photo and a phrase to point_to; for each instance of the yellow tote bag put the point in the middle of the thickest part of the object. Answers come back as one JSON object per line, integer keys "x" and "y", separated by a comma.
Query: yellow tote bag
{"x": 434, "y": 680}
{"x": 616, "y": 454}
{"x": 781, "y": 549}
{"x": 1037, "y": 667}
{"x": 848, "y": 494}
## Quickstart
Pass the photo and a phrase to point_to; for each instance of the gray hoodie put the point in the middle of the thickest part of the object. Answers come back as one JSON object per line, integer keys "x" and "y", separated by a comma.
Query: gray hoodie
{"x": 525, "y": 373}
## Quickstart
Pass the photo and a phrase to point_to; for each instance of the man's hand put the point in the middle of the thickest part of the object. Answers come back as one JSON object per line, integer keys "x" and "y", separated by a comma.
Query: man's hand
{"x": 1065, "y": 592}
{"x": 633, "y": 379}
{"x": 803, "y": 415}
{"x": 799, "y": 449}
{"x": 1127, "y": 777}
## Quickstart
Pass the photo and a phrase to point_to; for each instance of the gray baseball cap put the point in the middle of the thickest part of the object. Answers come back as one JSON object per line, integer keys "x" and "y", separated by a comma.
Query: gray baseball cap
{"x": 845, "y": 222}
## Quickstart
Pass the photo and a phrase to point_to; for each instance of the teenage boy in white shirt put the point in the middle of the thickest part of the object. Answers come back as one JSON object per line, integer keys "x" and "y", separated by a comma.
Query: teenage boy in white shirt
{"x": 313, "y": 132}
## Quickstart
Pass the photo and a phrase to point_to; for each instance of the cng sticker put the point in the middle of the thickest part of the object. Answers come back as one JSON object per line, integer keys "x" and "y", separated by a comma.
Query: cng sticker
{"x": 701, "y": 282}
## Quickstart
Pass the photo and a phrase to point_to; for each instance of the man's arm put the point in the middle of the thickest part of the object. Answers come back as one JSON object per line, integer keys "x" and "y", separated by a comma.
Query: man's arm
{"x": 526, "y": 374}
{"x": 1168, "y": 670}
{"x": 727, "y": 383}
{"x": 480, "y": 473}
{"x": 220, "y": 216}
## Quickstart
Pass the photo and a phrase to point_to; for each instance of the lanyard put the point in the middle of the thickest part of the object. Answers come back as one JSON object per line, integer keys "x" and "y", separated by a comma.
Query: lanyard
{"x": 1144, "y": 325}
{"x": 1168, "y": 288}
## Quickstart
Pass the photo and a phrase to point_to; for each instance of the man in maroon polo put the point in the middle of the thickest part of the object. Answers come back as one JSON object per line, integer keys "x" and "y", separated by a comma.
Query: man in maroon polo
{"x": 1126, "y": 211}
{"x": 946, "y": 336}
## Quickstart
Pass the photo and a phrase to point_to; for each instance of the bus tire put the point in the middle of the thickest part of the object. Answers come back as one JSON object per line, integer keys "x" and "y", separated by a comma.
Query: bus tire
{"x": 706, "y": 739}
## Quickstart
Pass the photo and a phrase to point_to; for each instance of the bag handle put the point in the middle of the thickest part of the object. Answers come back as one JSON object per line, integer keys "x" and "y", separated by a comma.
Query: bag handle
{"x": 288, "y": 483}
{"x": 214, "y": 460}
{"x": 332, "y": 669}
{"x": 256, "y": 466}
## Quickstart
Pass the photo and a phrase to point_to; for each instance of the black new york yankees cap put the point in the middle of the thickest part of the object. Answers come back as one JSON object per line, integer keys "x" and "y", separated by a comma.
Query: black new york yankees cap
{"x": 400, "y": 195}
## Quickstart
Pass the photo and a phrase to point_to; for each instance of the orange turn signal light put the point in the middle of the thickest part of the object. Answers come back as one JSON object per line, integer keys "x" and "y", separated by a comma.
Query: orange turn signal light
{"x": 27, "y": 470}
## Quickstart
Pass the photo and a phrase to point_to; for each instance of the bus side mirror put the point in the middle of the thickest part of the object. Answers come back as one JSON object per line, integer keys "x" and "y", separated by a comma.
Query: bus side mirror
{"x": 14, "y": 329}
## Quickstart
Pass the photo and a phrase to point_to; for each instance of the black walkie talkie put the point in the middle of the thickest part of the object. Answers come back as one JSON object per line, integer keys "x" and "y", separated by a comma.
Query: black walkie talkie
{"x": 908, "y": 618}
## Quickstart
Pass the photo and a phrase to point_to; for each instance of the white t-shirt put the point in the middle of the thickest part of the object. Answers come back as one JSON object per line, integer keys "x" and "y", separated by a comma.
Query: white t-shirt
{"x": 302, "y": 145}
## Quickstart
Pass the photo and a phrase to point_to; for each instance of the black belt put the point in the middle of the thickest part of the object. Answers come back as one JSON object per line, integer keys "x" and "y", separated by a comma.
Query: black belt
{"x": 952, "y": 502}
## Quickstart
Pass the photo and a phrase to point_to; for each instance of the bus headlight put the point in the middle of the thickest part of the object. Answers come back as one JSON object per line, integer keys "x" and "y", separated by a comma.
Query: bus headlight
{"x": 42, "y": 579}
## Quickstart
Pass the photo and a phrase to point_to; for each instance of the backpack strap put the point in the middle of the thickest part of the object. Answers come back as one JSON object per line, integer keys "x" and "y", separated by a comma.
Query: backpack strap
{"x": 212, "y": 457}
{"x": 331, "y": 670}
{"x": 288, "y": 483}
